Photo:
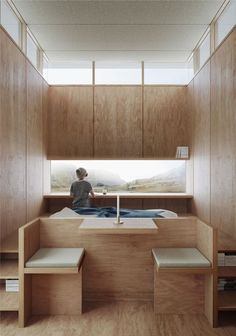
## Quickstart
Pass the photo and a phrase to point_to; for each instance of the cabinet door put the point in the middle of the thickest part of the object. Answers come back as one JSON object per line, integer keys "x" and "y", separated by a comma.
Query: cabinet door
{"x": 12, "y": 136}
{"x": 70, "y": 122}
{"x": 165, "y": 121}
{"x": 223, "y": 137}
{"x": 118, "y": 122}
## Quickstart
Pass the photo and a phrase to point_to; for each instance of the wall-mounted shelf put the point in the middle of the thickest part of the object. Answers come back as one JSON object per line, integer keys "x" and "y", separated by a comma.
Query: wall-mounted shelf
{"x": 9, "y": 269}
{"x": 227, "y": 272}
{"x": 177, "y": 202}
{"x": 9, "y": 301}
{"x": 226, "y": 243}
{"x": 10, "y": 243}
{"x": 125, "y": 195}
{"x": 226, "y": 298}
{"x": 227, "y": 301}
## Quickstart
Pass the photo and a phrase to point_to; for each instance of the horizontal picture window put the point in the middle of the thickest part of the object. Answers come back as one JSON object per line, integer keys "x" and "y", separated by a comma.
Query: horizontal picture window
{"x": 142, "y": 176}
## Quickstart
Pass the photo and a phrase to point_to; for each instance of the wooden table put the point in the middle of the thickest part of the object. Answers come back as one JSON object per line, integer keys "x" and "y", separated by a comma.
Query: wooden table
{"x": 107, "y": 226}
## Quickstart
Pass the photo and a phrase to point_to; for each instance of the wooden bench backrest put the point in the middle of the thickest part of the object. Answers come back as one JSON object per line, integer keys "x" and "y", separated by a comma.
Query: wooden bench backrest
{"x": 207, "y": 241}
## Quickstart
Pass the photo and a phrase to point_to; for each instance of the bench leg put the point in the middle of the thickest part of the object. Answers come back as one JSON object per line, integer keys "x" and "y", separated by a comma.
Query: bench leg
{"x": 211, "y": 310}
{"x": 25, "y": 299}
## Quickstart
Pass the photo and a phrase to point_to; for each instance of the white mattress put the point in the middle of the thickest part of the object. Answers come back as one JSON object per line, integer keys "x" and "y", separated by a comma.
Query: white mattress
{"x": 69, "y": 213}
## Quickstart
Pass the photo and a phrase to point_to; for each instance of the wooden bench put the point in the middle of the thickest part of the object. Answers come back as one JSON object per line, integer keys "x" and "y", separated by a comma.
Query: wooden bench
{"x": 184, "y": 278}
{"x": 50, "y": 277}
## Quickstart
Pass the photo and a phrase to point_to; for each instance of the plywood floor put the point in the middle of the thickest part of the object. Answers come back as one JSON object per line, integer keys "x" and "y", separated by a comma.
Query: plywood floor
{"x": 117, "y": 319}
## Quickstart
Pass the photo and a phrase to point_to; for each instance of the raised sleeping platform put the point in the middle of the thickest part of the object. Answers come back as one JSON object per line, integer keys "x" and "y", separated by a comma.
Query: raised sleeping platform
{"x": 110, "y": 212}
{"x": 117, "y": 266}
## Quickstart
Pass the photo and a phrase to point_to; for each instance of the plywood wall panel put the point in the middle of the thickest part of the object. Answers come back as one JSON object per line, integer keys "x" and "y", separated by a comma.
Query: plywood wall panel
{"x": 70, "y": 122}
{"x": 177, "y": 205}
{"x": 118, "y": 122}
{"x": 223, "y": 136}
{"x": 12, "y": 136}
{"x": 34, "y": 143}
{"x": 214, "y": 138}
{"x": 201, "y": 144}
{"x": 46, "y": 163}
{"x": 165, "y": 123}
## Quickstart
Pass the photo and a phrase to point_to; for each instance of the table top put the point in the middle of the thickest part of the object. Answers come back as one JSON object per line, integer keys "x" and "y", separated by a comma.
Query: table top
{"x": 108, "y": 226}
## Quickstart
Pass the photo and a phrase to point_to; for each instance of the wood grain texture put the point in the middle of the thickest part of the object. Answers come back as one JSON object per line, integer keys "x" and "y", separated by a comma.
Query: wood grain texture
{"x": 128, "y": 195}
{"x": 34, "y": 144}
{"x": 201, "y": 144}
{"x": 29, "y": 243}
{"x": 9, "y": 269}
{"x": 54, "y": 270}
{"x": 181, "y": 206}
{"x": 10, "y": 243}
{"x": 223, "y": 136}
{"x": 57, "y": 294}
{"x": 207, "y": 242}
{"x": 118, "y": 122}
{"x": 227, "y": 301}
{"x": 226, "y": 243}
{"x": 210, "y": 302}
{"x": 119, "y": 319}
{"x": 70, "y": 122}
{"x": 165, "y": 121}
{"x": 46, "y": 163}
{"x": 128, "y": 203}
{"x": 109, "y": 260}
{"x": 178, "y": 294}
{"x": 227, "y": 272}
{"x": 12, "y": 136}
{"x": 9, "y": 301}
{"x": 20, "y": 138}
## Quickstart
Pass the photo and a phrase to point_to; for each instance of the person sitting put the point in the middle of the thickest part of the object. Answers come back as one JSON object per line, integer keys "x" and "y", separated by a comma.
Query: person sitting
{"x": 81, "y": 190}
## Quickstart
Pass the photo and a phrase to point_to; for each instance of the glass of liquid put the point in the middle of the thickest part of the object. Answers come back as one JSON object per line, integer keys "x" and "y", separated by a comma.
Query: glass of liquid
{"x": 104, "y": 191}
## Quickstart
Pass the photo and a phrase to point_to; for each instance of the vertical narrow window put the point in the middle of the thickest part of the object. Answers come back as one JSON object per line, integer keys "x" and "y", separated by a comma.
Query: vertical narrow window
{"x": 118, "y": 73}
{"x": 10, "y": 22}
{"x": 45, "y": 68}
{"x": 32, "y": 51}
{"x": 204, "y": 50}
{"x": 225, "y": 22}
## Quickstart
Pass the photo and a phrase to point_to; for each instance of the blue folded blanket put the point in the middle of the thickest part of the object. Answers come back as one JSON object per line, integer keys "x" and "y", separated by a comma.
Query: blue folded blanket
{"x": 125, "y": 213}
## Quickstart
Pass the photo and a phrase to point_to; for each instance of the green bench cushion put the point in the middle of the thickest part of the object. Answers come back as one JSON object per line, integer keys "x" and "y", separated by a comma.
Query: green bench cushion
{"x": 56, "y": 258}
{"x": 180, "y": 257}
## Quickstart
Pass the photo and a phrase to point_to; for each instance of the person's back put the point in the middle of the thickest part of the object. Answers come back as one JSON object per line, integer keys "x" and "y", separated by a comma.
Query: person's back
{"x": 80, "y": 190}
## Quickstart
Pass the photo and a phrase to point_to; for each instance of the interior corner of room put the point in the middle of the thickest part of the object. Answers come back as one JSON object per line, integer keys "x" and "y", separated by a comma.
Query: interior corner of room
{"x": 42, "y": 122}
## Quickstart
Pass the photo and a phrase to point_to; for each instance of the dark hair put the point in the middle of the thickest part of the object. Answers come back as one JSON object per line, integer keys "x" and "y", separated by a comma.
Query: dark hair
{"x": 81, "y": 172}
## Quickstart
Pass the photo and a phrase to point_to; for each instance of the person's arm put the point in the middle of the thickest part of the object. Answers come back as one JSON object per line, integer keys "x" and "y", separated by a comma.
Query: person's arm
{"x": 71, "y": 191}
{"x": 92, "y": 193}
{"x": 91, "y": 190}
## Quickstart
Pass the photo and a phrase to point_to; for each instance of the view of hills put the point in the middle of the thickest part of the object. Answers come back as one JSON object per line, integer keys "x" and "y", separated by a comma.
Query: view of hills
{"x": 173, "y": 180}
